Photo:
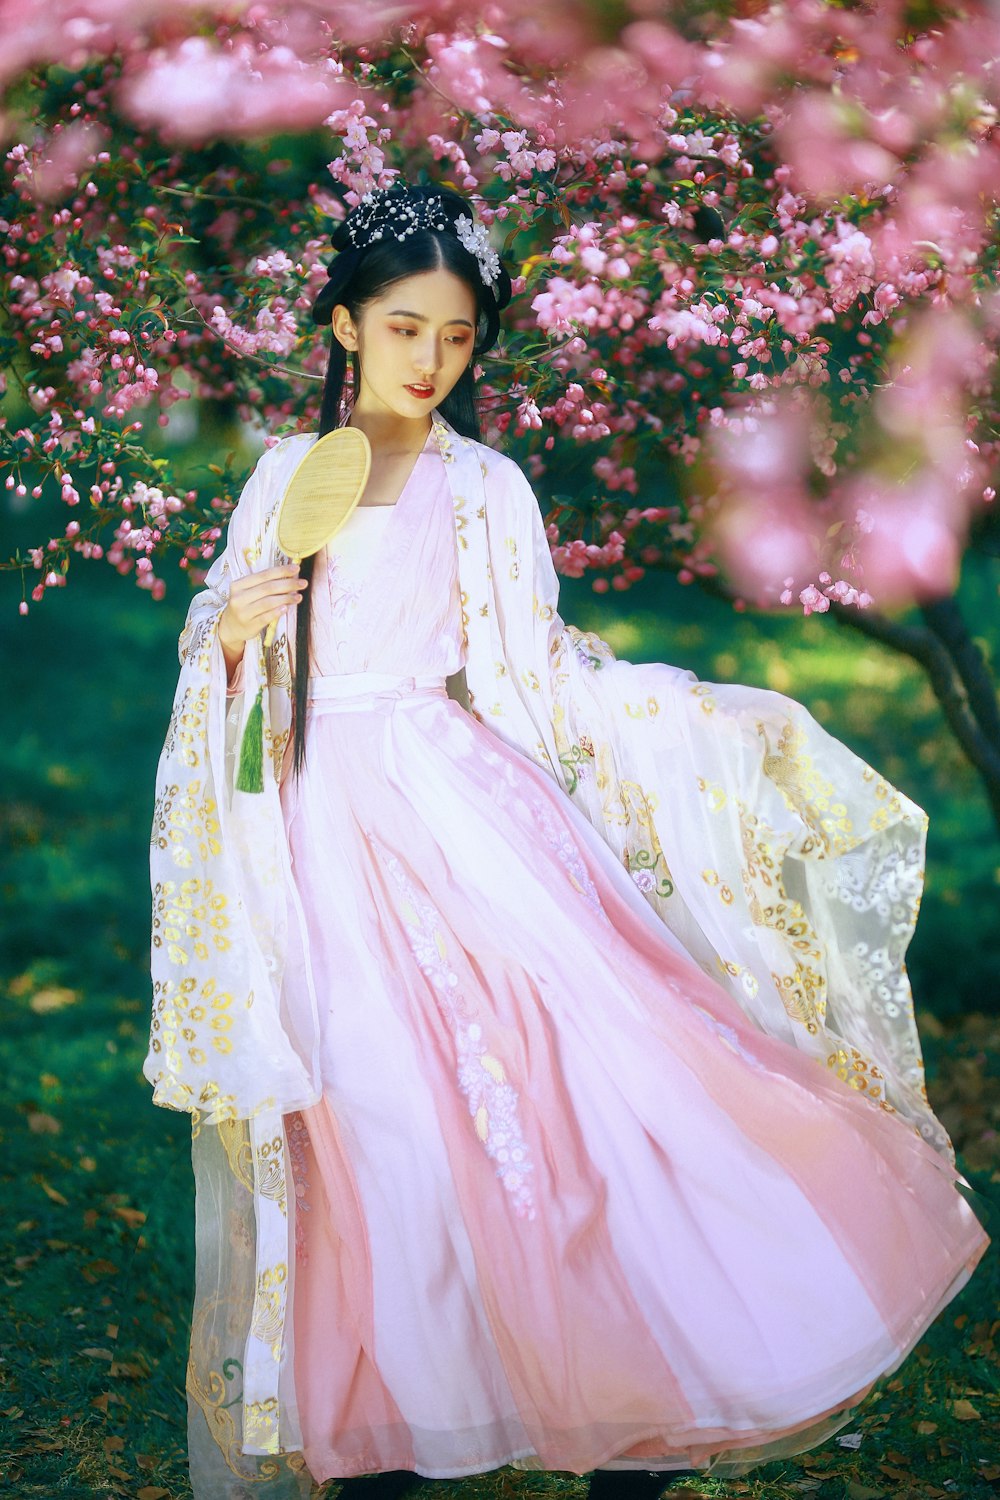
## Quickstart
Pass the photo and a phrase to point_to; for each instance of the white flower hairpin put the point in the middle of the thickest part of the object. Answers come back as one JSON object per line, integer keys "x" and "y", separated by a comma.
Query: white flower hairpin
{"x": 476, "y": 240}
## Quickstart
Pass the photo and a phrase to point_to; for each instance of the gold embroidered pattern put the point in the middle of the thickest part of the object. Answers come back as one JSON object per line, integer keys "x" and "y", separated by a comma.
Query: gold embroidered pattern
{"x": 642, "y": 856}
{"x": 235, "y": 1138}
{"x": 461, "y": 521}
{"x": 219, "y": 1396}
{"x": 187, "y": 725}
{"x": 860, "y": 1074}
{"x": 179, "y": 1013}
{"x": 803, "y": 989}
{"x": 180, "y": 819}
{"x": 271, "y": 1172}
{"x": 191, "y": 919}
{"x": 807, "y": 792}
{"x": 647, "y": 710}
{"x": 715, "y": 793}
{"x": 515, "y": 567}
{"x": 269, "y": 1308}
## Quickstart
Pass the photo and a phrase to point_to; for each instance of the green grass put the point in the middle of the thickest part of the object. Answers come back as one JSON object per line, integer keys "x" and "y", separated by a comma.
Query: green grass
{"x": 96, "y": 1238}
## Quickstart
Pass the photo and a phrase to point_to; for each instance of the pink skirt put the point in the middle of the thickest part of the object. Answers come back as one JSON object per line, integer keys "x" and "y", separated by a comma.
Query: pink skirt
{"x": 561, "y": 1203}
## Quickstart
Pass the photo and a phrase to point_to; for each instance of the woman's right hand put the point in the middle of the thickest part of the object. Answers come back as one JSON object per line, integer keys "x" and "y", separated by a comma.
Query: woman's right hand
{"x": 254, "y": 601}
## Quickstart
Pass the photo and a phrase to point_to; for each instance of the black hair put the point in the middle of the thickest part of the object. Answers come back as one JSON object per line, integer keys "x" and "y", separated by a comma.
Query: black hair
{"x": 358, "y": 275}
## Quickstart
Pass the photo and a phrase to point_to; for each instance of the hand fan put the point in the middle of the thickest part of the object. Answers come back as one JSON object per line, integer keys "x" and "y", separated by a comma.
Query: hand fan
{"x": 324, "y": 489}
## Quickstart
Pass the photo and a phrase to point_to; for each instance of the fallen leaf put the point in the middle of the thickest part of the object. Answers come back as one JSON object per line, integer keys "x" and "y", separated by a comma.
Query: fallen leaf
{"x": 111, "y": 1332}
{"x": 100, "y": 1403}
{"x": 145, "y": 1461}
{"x": 113, "y": 1445}
{"x": 925, "y": 1428}
{"x": 48, "y": 1080}
{"x": 99, "y": 1267}
{"x": 990, "y": 1471}
{"x": 90, "y": 1218}
{"x": 964, "y": 1411}
{"x": 58, "y": 1245}
{"x": 88, "y": 1164}
{"x": 97, "y": 1353}
{"x": 134, "y": 1217}
{"x": 53, "y": 1194}
{"x": 152, "y": 1492}
{"x": 54, "y": 997}
{"x": 118, "y": 1473}
{"x": 39, "y": 1123}
{"x": 125, "y": 1371}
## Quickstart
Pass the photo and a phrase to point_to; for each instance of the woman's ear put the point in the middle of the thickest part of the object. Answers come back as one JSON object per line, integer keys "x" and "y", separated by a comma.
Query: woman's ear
{"x": 343, "y": 327}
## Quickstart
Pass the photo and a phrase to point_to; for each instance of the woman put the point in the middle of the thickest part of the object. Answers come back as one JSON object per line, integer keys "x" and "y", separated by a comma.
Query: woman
{"x": 585, "y": 1137}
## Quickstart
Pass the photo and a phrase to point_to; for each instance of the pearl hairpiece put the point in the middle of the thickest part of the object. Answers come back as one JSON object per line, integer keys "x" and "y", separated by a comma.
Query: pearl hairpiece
{"x": 476, "y": 240}
{"x": 385, "y": 215}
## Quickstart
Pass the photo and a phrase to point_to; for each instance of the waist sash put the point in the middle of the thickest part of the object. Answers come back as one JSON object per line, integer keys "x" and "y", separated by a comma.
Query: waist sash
{"x": 358, "y": 692}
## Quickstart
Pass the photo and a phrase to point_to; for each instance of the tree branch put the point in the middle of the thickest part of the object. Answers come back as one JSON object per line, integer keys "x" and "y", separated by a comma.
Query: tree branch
{"x": 945, "y": 618}
{"x": 923, "y": 645}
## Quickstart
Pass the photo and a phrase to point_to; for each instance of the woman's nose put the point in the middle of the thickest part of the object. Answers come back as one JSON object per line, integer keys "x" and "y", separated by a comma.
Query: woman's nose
{"x": 427, "y": 358}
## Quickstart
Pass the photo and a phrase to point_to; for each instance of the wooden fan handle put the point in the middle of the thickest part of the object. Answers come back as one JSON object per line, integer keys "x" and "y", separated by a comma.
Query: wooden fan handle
{"x": 271, "y": 630}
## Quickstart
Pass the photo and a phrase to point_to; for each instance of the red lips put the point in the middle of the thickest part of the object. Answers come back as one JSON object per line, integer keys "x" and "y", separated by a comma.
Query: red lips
{"x": 422, "y": 392}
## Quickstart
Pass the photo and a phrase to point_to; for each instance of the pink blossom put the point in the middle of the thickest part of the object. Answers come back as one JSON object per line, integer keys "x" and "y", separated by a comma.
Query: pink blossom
{"x": 812, "y": 601}
{"x": 195, "y": 90}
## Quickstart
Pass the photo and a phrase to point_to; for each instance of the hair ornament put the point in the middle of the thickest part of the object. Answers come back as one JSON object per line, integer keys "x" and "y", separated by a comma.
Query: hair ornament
{"x": 387, "y": 214}
{"x": 477, "y": 241}
{"x": 386, "y": 223}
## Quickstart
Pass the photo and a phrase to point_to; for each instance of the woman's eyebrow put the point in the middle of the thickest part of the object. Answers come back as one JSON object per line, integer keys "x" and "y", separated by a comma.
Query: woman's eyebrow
{"x": 401, "y": 312}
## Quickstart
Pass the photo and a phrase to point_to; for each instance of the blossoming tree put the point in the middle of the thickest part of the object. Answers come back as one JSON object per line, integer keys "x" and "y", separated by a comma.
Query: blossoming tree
{"x": 755, "y": 338}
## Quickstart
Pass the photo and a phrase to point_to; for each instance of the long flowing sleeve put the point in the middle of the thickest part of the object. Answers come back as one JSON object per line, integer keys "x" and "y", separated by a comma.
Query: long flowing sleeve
{"x": 221, "y": 889}
{"x": 789, "y": 869}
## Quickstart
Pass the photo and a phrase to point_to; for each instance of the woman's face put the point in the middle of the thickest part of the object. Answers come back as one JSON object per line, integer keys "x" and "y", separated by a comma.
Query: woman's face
{"x": 413, "y": 343}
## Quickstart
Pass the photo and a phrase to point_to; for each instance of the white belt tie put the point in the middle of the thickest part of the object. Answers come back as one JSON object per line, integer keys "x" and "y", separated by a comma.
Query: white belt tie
{"x": 357, "y": 692}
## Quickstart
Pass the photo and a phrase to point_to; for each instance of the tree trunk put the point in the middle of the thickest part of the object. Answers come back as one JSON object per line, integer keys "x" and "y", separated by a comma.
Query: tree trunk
{"x": 959, "y": 676}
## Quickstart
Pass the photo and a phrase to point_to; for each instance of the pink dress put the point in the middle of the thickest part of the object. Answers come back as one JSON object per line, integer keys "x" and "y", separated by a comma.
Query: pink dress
{"x": 561, "y": 1202}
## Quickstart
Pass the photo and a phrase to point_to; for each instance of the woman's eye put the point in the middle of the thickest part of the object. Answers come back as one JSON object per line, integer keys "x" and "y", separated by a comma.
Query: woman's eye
{"x": 406, "y": 332}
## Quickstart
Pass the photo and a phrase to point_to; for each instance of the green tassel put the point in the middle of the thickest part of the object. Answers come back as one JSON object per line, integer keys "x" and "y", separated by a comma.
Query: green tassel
{"x": 250, "y": 777}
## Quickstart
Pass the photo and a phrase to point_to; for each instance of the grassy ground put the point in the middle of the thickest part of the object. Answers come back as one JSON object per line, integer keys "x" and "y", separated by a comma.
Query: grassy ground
{"x": 95, "y": 1242}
